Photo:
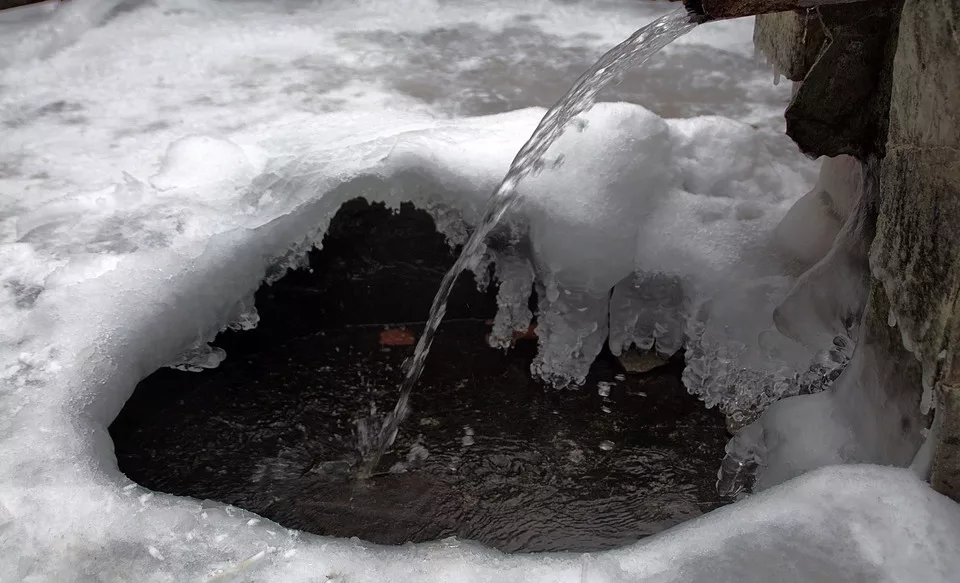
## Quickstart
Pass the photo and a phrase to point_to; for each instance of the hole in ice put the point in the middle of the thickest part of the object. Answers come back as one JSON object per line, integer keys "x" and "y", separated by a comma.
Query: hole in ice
{"x": 488, "y": 454}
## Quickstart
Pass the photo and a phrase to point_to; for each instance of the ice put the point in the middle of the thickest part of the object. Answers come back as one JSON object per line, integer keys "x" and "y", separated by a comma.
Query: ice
{"x": 828, "y": 299}
{"x": 672, "y": 217}
{"x": 869, "y": 415}
{"x": 799, "y": 332}
{"x": 245, "y": 316}
{"x": 516, "y": 284}
{"x": 198, "y": 358}
{"x": 157, "y": 169}
{"x": 586, "y": 242}
{"x": 571, "y": 328}
{"x": 700, "y": 217}
{"x": 648, "y": 309}
{"x": 808, "y": 230}
{"x": 842, "y": 179}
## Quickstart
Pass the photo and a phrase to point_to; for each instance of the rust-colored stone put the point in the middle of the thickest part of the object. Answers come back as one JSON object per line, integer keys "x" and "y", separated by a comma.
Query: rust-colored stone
{"x": 397, "y": 337}
{"x": 529, "y": 334}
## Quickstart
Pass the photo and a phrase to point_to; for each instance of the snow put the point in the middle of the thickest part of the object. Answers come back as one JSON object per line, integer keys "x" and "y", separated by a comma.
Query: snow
{"x": 663, "y": 199}
{"x": 155, "y": 170}
{"x": 39, "y": 30}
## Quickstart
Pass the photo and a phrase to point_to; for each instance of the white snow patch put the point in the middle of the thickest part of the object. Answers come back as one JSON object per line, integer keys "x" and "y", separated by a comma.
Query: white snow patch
{"x": 117, "y": 260}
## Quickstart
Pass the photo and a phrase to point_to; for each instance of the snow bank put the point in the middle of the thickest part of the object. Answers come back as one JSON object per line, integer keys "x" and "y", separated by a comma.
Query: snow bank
{"x": 104, "y": 105}
{"x": 117, "y": 260}
{"x": 188, "y": 247}
{"x": 632, "y": 203}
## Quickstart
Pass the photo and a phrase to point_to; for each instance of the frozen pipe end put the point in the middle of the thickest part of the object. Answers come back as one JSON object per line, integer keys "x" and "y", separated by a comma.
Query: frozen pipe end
{"x": 696, "y": 11}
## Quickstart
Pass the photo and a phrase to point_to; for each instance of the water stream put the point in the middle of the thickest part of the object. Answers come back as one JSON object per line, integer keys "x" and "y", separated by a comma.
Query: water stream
{"x": 632, "y": 52}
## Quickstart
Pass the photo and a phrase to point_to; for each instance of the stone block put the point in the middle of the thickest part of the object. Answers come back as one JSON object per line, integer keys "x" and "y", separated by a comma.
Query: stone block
{"x": 916, "y": 252}
{"x": 842, "y": 104}
{"x": 790, "y": 40}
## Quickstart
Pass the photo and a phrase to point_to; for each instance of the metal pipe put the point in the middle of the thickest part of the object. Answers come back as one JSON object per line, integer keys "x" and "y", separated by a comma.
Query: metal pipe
{"x": 707, "y": 10}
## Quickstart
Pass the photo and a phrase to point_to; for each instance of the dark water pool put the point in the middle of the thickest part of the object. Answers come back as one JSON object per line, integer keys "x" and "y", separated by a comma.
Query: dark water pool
{"x": 488, "y": 454}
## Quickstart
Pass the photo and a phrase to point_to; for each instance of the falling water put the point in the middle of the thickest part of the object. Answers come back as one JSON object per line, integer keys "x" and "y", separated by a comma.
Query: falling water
{"x": 632, "y": 52}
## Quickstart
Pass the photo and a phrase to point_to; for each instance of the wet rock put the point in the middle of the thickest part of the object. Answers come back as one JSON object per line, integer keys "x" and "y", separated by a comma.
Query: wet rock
{"x": 639, "y": 362}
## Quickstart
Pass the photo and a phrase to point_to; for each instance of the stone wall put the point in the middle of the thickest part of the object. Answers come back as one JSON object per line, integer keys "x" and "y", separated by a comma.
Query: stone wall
{"x": 916, "y": 253}
{"x": 843, "y": 56}
{"x": 885, "y": 81}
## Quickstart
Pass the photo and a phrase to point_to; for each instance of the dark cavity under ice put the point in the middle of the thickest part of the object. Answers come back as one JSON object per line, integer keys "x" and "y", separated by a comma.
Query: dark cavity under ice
{"x": 488, "y": 454}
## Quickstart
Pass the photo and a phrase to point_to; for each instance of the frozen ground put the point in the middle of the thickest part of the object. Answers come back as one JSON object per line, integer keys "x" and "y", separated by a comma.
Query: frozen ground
{"x": 125, "y": 244}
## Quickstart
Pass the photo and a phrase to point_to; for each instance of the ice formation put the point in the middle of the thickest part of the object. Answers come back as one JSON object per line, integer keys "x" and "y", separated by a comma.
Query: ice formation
{"x": 871, "y": 413}
{"x": 641, "y": 208}
{"x": 680, "y": 236}
{"x": 117, "y": 260}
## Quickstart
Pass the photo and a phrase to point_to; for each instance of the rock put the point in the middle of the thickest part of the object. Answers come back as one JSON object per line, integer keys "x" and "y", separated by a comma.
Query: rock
{"x": 637, "y": 362}
{"x": 790, "y": 40}
{"x": 841, "y": 106}
{"x": 397, "y": 337}
{"x": 916, "y": 253}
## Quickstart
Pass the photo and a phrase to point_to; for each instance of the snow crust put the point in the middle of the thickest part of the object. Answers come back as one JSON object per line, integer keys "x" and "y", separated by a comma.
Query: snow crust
{"x": 148, "y": 188}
